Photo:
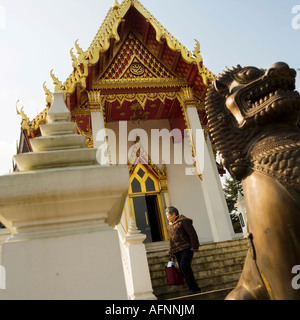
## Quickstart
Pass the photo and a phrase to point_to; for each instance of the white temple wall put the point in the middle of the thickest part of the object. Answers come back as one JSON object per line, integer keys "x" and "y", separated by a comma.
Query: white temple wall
{"x": 186, "y": 194}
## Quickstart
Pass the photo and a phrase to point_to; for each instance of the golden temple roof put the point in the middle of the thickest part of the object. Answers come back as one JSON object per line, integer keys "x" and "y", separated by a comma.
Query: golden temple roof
{"x": 109, "y": 30}
{"x": 103, "y": 42}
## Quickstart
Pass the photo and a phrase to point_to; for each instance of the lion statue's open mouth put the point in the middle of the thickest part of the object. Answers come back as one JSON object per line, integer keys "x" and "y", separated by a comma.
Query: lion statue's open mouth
{"x": 261, "y": 93}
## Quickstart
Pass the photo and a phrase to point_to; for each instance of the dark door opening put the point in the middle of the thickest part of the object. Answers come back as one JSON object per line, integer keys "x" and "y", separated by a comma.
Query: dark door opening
{"x": 147, "y": 217}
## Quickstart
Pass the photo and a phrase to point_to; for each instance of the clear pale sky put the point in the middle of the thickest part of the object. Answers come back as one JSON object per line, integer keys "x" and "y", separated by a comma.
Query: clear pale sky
{"x": 37, "y": 35}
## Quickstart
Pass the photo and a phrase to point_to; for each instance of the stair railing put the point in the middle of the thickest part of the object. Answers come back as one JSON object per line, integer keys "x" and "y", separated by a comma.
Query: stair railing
{"x": 134, "y": 259}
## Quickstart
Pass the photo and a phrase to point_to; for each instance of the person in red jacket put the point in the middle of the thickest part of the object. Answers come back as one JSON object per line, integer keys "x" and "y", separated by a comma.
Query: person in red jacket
{"x": 183, "y": 243}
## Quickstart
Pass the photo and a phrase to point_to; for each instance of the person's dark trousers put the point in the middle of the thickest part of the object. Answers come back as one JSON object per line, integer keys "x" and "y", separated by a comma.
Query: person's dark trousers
{"x": 184, "y": 259}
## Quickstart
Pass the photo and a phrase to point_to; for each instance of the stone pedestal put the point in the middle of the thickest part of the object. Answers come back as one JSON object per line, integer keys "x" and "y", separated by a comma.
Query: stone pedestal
{"x": 67, "y": 267}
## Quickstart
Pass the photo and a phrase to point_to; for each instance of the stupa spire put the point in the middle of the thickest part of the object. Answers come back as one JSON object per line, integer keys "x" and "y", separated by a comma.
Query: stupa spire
{"x": 115, "y": 5}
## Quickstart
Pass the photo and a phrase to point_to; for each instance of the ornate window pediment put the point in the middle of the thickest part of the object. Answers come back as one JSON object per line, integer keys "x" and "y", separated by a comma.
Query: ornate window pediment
{"x": 139, "y": 160}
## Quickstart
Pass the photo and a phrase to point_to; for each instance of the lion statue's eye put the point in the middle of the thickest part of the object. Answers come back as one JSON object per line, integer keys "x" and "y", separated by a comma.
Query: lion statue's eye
{"x": 252, "y": 73}
{"x": 247, "y": 75}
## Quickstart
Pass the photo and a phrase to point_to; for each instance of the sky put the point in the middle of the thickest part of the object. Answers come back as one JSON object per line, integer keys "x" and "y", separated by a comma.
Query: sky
{"x": 36, "y": 36}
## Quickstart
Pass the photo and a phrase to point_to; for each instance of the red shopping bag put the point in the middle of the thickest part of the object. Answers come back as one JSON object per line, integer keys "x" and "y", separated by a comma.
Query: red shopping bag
{"x": 174, "y": 276}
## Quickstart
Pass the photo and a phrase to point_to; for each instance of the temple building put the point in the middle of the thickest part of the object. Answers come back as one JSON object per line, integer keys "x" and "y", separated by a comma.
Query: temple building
{"x": 137, "y": 96}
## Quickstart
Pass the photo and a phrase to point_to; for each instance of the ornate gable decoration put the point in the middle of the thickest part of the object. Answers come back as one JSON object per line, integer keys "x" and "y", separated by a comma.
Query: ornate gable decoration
{"x": 134, "y": 63}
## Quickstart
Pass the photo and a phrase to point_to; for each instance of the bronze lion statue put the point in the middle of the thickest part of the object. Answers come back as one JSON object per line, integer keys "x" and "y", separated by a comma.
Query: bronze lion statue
{"x": 253, "y": 115}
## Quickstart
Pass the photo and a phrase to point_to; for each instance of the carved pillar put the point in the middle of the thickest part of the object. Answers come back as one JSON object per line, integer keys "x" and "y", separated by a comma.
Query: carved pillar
{"x": 205, "y": 164}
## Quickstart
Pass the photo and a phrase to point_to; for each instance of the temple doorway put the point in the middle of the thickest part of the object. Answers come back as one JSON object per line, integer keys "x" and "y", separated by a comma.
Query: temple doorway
{"x": 147, "y": 217}
{"x": 146, "y": 204}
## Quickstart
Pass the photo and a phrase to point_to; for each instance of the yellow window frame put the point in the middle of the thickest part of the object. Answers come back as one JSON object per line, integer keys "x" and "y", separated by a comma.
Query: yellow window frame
{"x": 144, "y": 191}
{"x": 143, "y": 180}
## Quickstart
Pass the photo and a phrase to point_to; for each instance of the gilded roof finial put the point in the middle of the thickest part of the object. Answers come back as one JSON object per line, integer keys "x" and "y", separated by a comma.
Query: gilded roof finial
{"x": 56, "y": 82}
{"x": 115, "y": 5}
{"x": 74, "y": 59}
{"x": 79, "y": 50}
{"x": 196, "y": 51}
{"x": 25, "y": 122}
{"x": 49, "y": 96}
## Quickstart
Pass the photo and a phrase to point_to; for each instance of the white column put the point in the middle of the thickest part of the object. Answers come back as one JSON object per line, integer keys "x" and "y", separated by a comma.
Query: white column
{"x": 214, "y": 197}
{"x": 97, "y": 125}
{"x": 104, "y": 156}
{"x": 241, "y": 208}
{"x": 220, "y": 188}
{"x": 97, "y": 117}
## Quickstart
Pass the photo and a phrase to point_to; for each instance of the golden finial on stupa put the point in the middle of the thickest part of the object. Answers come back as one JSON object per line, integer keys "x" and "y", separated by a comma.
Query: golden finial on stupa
{"x": 115, "y": 5}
